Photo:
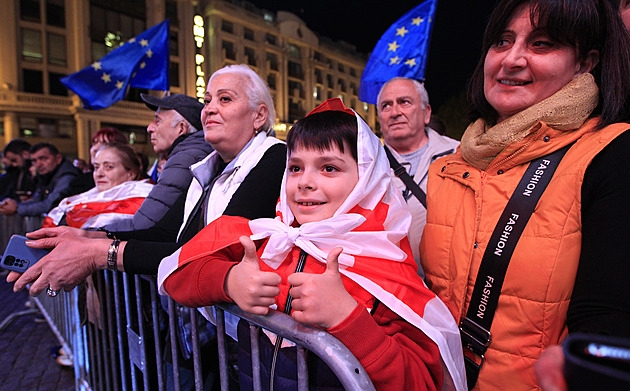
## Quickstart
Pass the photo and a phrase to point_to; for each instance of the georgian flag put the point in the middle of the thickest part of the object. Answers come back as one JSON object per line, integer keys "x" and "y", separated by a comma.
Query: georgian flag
{"x": 94, "y": 209}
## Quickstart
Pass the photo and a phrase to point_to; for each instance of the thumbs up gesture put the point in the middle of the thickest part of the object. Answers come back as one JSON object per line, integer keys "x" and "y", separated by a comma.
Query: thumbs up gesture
{"x": 250, "y": 288}
{"x": 321, "y": 299}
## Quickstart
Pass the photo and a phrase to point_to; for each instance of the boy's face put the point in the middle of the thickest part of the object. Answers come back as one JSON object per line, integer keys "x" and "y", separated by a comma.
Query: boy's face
{"x": 318, "y": 182}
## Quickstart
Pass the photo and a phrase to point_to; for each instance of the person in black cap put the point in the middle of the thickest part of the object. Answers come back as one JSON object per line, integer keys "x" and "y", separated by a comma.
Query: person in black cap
{"x": 175, "y": 133}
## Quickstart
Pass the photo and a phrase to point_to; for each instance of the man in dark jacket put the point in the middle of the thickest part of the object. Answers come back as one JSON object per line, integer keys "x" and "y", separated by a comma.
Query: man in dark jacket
{"x": 54, "y": 174}
{"x": 175, "y": 132}
{"x": 17, "y": 183}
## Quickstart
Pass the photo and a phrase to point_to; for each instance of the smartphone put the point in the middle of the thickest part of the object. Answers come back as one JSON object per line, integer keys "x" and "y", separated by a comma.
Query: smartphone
{"x": 597, "y": 362}
{"x": 18, "y": 256}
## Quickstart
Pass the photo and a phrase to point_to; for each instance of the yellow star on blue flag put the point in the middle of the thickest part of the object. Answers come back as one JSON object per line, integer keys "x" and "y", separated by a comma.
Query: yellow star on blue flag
{"x": 410, "y": 35}
{"x": 142, "y": 62}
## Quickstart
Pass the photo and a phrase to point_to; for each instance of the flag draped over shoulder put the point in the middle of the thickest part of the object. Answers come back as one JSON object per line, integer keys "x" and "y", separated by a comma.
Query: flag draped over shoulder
{"x": 371, "y": 226}
{"x": 401, "y": 51}
{"x": 142, "y": 62}
{"x": 94, "y": 209}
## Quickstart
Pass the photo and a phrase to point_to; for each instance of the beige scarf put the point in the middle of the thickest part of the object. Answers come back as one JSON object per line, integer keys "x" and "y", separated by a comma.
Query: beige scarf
{"x": 565, "y": 110}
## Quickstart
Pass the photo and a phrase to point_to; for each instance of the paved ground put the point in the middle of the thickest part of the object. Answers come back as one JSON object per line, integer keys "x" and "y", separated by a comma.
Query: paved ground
{"x": 26, "y": 361}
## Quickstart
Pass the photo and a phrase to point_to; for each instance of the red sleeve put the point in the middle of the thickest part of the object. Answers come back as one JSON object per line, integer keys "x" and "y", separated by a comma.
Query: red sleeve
{"x": 395, "y": 354}
{"x": 201, "y": 283}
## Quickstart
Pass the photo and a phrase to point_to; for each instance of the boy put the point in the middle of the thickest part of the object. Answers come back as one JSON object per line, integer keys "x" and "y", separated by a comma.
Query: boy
{"x": 338, "y": 249}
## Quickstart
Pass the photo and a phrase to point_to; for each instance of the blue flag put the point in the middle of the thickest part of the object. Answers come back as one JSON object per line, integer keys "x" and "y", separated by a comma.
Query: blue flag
{"x": 401, "y": 51}
{"x": 142, "y": 62}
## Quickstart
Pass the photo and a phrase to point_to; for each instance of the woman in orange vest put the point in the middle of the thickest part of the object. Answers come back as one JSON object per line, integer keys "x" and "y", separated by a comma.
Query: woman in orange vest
{"x": 554, "y": 77}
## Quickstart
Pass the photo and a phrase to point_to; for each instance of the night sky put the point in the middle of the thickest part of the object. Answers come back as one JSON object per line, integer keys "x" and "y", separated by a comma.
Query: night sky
{"x": 455, "y": 42}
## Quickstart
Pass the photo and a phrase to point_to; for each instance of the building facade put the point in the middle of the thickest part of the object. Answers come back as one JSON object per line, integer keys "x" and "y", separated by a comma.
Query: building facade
{"x": 44, "y": 40}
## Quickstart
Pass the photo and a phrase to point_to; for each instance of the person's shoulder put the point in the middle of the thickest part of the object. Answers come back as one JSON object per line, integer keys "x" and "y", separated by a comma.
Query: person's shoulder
{"x": 441, "y": 141}
{"x": 66, "y": 168}
{"x": 193, "y": 141}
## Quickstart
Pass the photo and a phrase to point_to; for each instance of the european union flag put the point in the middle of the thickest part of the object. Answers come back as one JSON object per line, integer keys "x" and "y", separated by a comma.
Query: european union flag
{"x": 142, "y": 62}
{"x": 401, "y": 51}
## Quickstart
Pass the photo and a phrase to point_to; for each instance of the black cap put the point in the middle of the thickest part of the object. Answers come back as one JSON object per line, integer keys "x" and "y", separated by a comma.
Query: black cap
{"x": 189, "y": 107}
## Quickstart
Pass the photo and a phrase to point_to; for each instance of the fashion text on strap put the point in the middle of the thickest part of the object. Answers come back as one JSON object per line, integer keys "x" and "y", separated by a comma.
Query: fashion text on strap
{"x": 475, "y": 327}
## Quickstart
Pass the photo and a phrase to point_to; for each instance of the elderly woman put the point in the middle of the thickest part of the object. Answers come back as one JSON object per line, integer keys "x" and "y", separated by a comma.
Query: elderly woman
{"x": 240, "y": 178}
{"x": 554, "y": 78}
{"x": 119, "y": 191}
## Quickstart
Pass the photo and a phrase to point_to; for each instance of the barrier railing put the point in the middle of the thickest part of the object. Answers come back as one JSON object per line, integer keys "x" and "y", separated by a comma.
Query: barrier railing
{"x": 116, "y": 331}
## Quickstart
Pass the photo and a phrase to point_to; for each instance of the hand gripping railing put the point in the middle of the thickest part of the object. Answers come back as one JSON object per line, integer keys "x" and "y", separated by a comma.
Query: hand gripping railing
{"x": 329, "y": 349}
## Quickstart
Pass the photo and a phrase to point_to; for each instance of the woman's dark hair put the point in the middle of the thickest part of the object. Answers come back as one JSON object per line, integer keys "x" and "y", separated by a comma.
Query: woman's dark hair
{"x": 581, "y": 24}
{"x": 128, "y": 158}
{"x": 320, "y": 130}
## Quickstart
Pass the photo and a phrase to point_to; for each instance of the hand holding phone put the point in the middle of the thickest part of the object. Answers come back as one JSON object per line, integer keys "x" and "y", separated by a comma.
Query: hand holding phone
{"x": 18, "y": 256}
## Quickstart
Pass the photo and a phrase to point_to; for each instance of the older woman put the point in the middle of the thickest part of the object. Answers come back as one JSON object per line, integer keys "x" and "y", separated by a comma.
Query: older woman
{"x": 240, "y": 178}
{"x": 555, "y": 76}
{"x": 119, "y": 191}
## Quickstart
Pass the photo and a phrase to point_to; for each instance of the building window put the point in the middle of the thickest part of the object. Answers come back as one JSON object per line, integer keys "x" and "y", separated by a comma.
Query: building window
{"x": 317, "y": 93}
{"x": 29, "y": 10}
{"x": 330, "y": 80}
{"x": 248, "y": 34}
{"x": 227, "y": 26}
{"x": 353, "y": 104}
{"x": 318, "y": 76}
{"x": 32, "y": 45}
{"x": 342, "y": 83}
{"x": 271, "y": 39}
{"x": 174, "y": 74}
{"x": 353, "y": 72}
{"x": 171, "y": 12}
{"x": 57, "y": 49}
{"x": 340, "y": 67}
{"x": 272, "y": 61}
{"x": 55, "y": 13}
{"x": 353, "y": 88}
{"x": 55, "y": 87}
{"x": 294, "y": 51}
{"x": 228, "y": 50}
{"x": 110, "y": 29}
{"x": 250, "y": 56}
{"x": 173, "y": 43}
{"x": 318, "y": 56}
{"x": 33, "y": 81}
{"x": 295, "y": 70}
{"x": 295, "y": 90}
{"x": 271, "y": 81}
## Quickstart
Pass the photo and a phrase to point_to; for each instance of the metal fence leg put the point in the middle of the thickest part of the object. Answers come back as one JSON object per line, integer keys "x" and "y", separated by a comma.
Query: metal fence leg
{"x": 155, "y": 308}
{"x": 254, "y": 333}
{"x": 302, "y": 369}
{"x": 173, "y": 336}
{"x": 196, "y": 350}
{"x": 223, "y": 369}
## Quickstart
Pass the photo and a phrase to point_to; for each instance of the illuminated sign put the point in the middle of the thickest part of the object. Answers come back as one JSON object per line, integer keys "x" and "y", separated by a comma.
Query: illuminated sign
{"x": 199, "y": 34}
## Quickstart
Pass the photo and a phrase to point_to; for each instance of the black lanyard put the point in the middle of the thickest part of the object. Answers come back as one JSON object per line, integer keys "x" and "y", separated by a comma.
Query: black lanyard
{"x": 475, "y": 327}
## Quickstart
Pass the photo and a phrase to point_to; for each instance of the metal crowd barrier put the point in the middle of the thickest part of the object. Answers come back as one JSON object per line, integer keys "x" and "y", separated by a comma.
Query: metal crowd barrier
{"x": 129, "y": 352}
{"x": 115, "y": 330}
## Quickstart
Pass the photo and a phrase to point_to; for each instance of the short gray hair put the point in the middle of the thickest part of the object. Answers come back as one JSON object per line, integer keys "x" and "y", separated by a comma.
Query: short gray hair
{"x": 177, "y": 118}
{"x": 256, "y": 90}
{"x": 424, "y": 95}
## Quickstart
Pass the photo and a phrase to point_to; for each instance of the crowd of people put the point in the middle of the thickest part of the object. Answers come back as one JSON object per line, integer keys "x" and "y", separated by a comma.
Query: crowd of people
{"x": 439, "y": 264}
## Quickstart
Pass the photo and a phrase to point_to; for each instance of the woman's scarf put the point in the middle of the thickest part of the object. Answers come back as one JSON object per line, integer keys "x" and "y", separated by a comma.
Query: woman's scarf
{"x": 93, "y": 209}
{"x": 566, "y": 110}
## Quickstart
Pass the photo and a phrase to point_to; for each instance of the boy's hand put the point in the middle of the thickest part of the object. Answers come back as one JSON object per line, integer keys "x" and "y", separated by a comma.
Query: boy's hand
{"x": 321, "y": 299}
{"x": 251, "y": 289}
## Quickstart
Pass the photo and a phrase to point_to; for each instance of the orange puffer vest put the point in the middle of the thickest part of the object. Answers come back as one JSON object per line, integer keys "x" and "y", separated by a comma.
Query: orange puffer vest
{"x": 464, "y": 205}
